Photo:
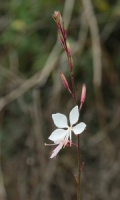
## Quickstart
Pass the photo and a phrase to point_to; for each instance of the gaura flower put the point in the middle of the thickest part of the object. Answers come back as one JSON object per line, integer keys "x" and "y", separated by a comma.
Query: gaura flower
{"x": 63, "y": 134}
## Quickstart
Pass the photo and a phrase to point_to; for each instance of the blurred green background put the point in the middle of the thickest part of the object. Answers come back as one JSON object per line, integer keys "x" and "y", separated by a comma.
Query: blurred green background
{"x": 31, "y": 90}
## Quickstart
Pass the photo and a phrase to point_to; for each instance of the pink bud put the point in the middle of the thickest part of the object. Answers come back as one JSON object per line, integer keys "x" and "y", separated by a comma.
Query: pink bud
{"x": 65, "y": 83}
{"x": 83, "y": 95}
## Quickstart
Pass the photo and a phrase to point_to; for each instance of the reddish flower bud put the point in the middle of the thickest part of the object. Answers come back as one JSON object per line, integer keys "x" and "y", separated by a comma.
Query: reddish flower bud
{"x": 65, "y": 83}
{"x": 83, "y": 95}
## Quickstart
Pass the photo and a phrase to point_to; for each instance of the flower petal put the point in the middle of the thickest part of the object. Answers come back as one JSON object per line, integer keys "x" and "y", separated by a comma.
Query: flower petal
{"x": 60, "y": 120}
{"x": 57, "y": 135}
{"x": 56, "y": 150}
{"x": 79, "y": 128}
{"x": 74, "y": 115}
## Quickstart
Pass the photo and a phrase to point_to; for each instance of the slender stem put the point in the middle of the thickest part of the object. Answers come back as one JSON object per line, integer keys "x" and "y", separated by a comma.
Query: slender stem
{"x": 73, "y": 87}
{"x": 78, "y": 137}
{"x": 78, "y": 141}
{"x": 79, "y": 170}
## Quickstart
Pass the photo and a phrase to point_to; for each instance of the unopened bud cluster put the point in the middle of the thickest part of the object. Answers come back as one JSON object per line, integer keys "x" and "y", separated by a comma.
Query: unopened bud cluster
{"x": 63, "y": 37}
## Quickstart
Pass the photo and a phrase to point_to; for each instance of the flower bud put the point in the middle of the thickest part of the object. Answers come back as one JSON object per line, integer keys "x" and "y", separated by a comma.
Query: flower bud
{"x": 57, "y": 17}
{"x": 65, "y": 83}
{"x": 83, "y": 95}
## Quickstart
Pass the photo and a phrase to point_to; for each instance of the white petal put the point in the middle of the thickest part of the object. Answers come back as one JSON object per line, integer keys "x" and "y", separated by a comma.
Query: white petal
{"x": 60, "y": 120}
{"x": 56, "y": 150}
{"x": 79, "y": 128}
{"x": 57, "y": 135}
{"x": 74, "y": 115}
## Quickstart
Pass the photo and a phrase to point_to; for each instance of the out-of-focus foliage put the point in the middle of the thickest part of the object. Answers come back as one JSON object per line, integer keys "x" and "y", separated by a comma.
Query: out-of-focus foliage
{"x": 26, "y": 24}
{"x": 27, "y": 37}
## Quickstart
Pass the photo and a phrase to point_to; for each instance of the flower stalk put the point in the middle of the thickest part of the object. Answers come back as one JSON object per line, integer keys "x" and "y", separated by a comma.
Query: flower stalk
{"x": 62, "y": 136}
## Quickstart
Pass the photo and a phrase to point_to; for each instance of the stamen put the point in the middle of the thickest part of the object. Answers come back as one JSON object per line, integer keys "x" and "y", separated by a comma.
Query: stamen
{"x": 50, "y": 144}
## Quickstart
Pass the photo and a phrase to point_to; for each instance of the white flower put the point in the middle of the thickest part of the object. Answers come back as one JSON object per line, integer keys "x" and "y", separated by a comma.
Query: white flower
{"x": 63, "y": 134}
